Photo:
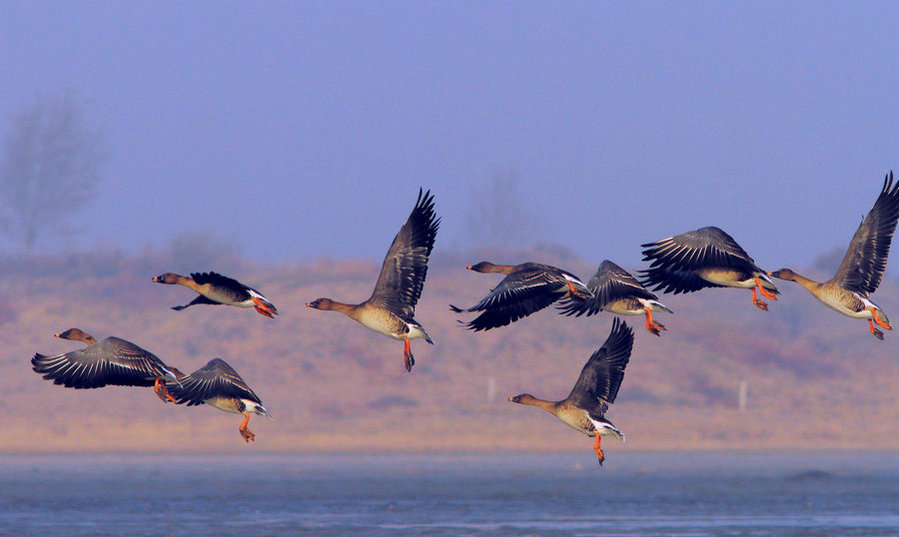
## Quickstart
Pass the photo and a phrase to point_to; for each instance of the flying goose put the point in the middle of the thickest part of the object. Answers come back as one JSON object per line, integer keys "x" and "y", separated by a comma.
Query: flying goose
{"x": 596, "y": 388}
{"x": 112, "y": 361}
{"x": 391, "y": 308}
{"x": 217, "y": 289}
{"x": 218, "y": 385}
{"x": 527, "y": 288}
{"x": 863, "y": 264}
{"x": 615, "y": 290}
{"x": 705, "y": 257}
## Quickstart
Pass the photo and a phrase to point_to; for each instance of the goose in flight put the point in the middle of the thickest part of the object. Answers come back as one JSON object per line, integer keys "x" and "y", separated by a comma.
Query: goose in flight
{"x": 527, "y": 288}
{"x": 112, "y": 361}
{"x": 391, "y": 308}
{"x": 615, "y": 290}
{"x": 704, "y": 257}
{"x": 213, "y": 288}
{"x": 862, "y": 267}
{"x": 218, "y": 385}
{"x": 596, "y": 388}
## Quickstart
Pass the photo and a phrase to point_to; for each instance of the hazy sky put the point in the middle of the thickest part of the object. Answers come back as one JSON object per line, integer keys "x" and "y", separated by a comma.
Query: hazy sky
{"x": 300, "y": 129}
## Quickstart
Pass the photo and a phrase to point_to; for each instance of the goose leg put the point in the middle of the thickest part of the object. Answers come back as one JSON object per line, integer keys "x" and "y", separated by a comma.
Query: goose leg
{"x": 877, "y": 320}
{"x": 651, "y": 325}
{"x": 262, "y": 308}
{"x": 765, "y": 293}
{"x": 409, "y": 360}
{"x": 244, "y": 432}
{"x": 597, "y": 449}
{"x": 757, "y": 302}
{"x": 161, "y": 392}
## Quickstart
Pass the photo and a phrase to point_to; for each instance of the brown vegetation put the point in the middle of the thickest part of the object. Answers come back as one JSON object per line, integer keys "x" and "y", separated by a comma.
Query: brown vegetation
{"x": 816, "y": 379}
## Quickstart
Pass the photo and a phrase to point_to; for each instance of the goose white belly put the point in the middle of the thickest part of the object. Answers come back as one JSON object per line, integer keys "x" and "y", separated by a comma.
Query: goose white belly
{"x": 839, "y": 304}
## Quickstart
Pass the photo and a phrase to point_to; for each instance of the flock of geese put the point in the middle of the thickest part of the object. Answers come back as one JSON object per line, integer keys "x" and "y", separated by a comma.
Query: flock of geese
{"x": 695, "y": 260}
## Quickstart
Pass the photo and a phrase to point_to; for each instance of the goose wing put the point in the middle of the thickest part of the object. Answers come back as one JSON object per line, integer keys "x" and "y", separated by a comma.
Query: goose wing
{"x": 112, "y": 361}
{"x": 866, "y": 258}
{"x": 528, "y": 289}
{"x": 217, "y": 280}
{"x": 698, "y": 249}
{"x": 597, "y": 386}
{"x": 215, "y": 379}
{"x": 675, "y": 260}
{"x": 610, "y": 283}
{"x": 406, "y": 263}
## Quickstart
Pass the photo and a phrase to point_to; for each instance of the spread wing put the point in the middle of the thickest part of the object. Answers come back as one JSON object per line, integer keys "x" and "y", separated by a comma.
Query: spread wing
{"x": 215, "y": 379}
{"x": 675, "y": 260}
{"x": 866, "y": 258}
{"x": 698, "y": 249}
{"x": 610, "y": 283}
{"x": 406, "y": 263}
{"x": 597, "y": 387}
{"x": 519, "y": 294}
{"x": 112, "y": 361}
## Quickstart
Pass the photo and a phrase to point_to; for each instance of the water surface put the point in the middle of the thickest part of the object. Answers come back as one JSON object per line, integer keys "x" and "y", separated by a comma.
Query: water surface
{"x": 634, "y": 494}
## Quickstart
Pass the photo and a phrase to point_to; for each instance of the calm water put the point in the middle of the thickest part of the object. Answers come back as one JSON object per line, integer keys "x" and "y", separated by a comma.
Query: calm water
{"x": 684, "y": 494}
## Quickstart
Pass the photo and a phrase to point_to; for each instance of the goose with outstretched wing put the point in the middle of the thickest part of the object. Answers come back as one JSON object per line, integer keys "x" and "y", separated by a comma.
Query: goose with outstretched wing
{"x": 704, "y": 257}
{"x": 617, "y": 291}
{"x": 526, "y": 289}
{"x": 391, "y": 308}
{"x": 110, "y": 362}
{"x": 596, "y": 388}
{"x": 861, "y": 270}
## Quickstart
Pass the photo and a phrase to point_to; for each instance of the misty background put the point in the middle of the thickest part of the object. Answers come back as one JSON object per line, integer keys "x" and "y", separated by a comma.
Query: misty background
{"x": 287, "y": 132}
{"x": 284, "y": 144}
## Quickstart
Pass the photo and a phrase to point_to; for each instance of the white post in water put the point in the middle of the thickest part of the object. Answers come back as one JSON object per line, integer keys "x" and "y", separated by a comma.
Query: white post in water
{"x": 491, "y": 389}
{"x": 744, "y": 392}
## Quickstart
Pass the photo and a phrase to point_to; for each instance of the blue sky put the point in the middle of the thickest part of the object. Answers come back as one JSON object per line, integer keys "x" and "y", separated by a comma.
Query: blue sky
{"x": 298, "y": 130}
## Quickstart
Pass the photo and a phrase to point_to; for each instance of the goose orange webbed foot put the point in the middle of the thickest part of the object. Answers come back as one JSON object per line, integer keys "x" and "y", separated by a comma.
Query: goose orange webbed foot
{"x": 247, "y": 435}
{"x": 162, "y": 393}
{"x": 765, "y": 293}
{"x": 655, "y": 328}
{"x": 876, "y": 319}
{"x": 264, "y": 309}
{"x": 600, "y": 456}
{"x": 408, "y": 358}
{"x": 244, "y": 432}
{"x": 758, "y": 303}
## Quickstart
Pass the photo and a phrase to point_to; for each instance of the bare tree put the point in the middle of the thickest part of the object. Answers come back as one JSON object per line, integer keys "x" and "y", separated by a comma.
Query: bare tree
{"x": 497, "y": 218}
{"x": 51, "y": 165}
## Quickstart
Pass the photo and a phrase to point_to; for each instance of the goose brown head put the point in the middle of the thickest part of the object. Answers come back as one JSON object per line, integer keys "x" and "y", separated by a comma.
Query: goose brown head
{"x": 784, "y": 274}
{"x": 76, "y": 334}
{"x": 321, "y": 304}
{"x": 169, "y": 277}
